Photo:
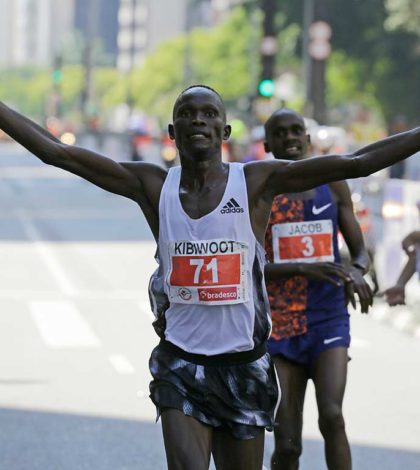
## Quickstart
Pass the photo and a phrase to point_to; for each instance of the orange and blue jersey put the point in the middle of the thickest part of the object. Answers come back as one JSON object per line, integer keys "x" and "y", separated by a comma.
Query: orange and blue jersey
{"x": 303, "y": 230}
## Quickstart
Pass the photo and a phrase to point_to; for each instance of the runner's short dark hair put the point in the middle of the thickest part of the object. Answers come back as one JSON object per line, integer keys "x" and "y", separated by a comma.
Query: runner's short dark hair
{"x": 198, "y": 86}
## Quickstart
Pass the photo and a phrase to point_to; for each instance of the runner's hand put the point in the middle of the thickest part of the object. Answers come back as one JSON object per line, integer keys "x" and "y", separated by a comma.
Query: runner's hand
{"x": 358, "y": 285}
{"x": 395, "y": 295}
{"x": 327, "y": 272}
{"x": 409, "y": 242}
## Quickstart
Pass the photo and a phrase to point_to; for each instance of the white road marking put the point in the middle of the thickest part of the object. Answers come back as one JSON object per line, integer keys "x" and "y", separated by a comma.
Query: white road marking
{"x": 22, "y": 294}
{"x": 69, "y": 213}
{"x": 121, "y": 364}
{"x": 32, "y": 172}
{"x": 62, "y": 326}
{"x": 57, "y": 272}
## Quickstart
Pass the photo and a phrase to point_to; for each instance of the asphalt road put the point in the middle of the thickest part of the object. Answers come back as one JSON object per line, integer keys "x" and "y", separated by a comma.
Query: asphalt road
{"x": 76, "y": 335}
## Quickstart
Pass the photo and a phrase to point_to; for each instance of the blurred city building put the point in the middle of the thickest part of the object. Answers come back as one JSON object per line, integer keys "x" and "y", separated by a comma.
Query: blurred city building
{"x": 103, "y": 26}
{"x": 144, "y": 24}
{"x": 31, "y": 31}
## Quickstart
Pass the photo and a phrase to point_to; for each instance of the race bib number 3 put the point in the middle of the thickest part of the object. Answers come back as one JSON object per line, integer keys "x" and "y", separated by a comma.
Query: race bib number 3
{"x": 208, "y": 272}
{"x": 303, "y": 241}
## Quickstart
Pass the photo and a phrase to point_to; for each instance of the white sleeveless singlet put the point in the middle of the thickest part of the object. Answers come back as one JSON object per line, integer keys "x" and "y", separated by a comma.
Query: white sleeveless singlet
{"x": 211, "y": 272}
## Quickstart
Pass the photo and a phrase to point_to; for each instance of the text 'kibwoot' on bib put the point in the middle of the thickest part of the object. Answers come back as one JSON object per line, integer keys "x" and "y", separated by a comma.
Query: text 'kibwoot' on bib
{"x": 211, "y": 272}
{"x": 309, "y": 241}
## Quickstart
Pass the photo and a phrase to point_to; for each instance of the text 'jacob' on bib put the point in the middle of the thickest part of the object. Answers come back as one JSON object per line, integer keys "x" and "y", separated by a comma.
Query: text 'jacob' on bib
{"x": 211, "y": 272}
{"x": 309, "y": 241}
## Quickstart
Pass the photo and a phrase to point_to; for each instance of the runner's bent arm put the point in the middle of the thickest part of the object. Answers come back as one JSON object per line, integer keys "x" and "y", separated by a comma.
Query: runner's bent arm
{"x": 353, "y": 236}
{"x": 272, "y": 177}
{"x": 133, "y": 180}
{"x": 395, "y": 295}
{"x": 409, "y": 242}
{"x": 349, "y": 227}
{"x": 408, "y": 270}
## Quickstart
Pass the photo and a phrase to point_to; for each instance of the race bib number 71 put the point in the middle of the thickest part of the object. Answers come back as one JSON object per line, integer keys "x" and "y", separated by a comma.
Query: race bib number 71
{"x": 211, "y": 272}
{"x": 309, "y": 241}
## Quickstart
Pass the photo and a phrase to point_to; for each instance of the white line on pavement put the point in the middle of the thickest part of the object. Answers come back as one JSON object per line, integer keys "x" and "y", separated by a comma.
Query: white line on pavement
{"x": 121, "y": 364}
{"x": 62, "y": 326}
{"x": 57, "y": 272}
{"x": 69, "y": 214}
{"x": 32, "y": 172}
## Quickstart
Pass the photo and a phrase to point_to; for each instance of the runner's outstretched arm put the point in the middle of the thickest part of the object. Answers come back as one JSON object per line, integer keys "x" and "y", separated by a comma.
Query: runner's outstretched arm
{"x": 281, "y": 176}
{"x": 132, "y": 180}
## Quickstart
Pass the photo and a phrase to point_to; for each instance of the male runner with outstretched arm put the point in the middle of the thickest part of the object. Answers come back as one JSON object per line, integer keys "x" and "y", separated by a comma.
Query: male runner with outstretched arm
{"x": 307, "y": 289}
{"x": 213, "y": 382}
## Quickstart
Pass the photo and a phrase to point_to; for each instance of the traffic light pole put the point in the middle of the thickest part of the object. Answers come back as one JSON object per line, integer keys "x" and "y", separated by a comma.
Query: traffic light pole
{"x": 317, "y": 33}
{"x": 308, "y": 17}
{"x": 268, "y": 45}
{"x": 263, "y": 102}
{"x": 88, "y": 60}
{"x": 318, "y": 72}
{"x": 57, "y": 77}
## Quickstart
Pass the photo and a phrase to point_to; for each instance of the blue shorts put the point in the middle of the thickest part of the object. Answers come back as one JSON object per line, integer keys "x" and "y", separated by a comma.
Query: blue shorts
{"x": 305, "y": 348}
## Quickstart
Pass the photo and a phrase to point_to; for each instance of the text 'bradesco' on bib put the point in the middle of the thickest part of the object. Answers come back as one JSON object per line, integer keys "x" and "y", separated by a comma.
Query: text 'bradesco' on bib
{"x": 309, "y": 241}
{"x": 211, "y": 272}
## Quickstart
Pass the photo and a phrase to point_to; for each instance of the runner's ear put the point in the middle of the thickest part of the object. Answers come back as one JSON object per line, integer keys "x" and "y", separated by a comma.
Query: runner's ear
{"x": 226, "y": 132}
{"x": 171, "y": 131}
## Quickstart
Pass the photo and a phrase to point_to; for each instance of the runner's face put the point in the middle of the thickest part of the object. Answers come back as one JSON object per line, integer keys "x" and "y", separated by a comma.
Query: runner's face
{"x": 286, "y": 136}
{"x": 199, "y": 124}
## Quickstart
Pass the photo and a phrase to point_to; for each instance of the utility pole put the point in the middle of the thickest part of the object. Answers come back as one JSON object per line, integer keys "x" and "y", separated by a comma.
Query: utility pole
{"x": 263, "y": 104}
{"x": 308, "y": 17}
{"x": 189, "y": 13}
{"x": 268, "y": 49}
{"x": 57, "y": 78}
{"x": 91, "y": 34}
{"x": 318, "y": 48}
{"x": 132, "y": 54}
{"x": 193, "y": 17}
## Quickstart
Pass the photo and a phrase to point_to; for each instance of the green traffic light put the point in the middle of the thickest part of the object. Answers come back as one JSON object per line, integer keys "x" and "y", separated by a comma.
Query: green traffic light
{"x": 266, "y": 88}
{"x": 57, "y": 76}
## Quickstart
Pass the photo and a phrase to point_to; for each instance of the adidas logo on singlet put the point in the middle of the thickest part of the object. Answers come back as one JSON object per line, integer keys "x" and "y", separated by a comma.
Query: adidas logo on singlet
{"x": 231, "y": 207}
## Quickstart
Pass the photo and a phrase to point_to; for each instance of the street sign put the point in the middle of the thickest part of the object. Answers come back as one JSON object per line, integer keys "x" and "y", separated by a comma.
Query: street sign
{"x": 319, "y": 46}
{"x": 268, "y": 45}
{"x": 320, "y": 30}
